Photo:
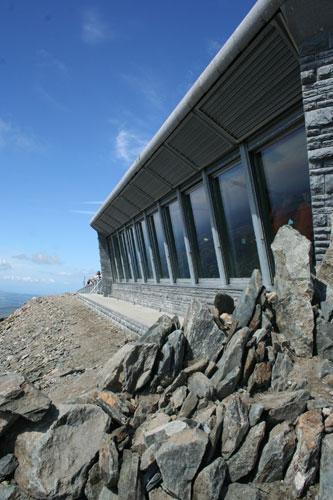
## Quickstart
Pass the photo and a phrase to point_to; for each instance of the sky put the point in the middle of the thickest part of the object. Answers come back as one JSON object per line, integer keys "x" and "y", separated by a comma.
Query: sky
{"x": 84, "y": 86}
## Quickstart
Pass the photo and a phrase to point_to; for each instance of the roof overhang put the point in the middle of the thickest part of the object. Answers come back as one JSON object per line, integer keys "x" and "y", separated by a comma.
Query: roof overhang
{"x": 227, "y": 104}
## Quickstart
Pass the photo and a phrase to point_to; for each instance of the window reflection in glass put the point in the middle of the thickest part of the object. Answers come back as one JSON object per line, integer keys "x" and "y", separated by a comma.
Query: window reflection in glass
{"x": 124, "y": 256}
{"x": 284, "y": 185}
{"x": 132, "y": 249}
{"x": 117, "y": 256}
{"x": 234, "y": 215}
{"x": 201, "y": 234}
{"x": 142, "y": 236}
{"x": 176, "y": 231}
{"x": 158, "y": 238}
{"x": 112, "y": 260}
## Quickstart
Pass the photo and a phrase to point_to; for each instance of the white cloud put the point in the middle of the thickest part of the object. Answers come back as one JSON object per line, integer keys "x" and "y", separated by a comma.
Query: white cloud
{"x": 28, "y": 279}
{"x": 94, "y": 30}
{"x": 91, "y": 202}
{"x": 39, "y": 258}
{"x": 11, "y": 135}
{"x": 89, "y": 212}
{"x": 47, "y": 60}
{"x": 129, "y": 145}
{"x": 4, "y": 265}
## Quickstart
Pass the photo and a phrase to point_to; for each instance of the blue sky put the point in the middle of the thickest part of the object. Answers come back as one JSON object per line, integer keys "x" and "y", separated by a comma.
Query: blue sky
{"x": 84, "y": 86}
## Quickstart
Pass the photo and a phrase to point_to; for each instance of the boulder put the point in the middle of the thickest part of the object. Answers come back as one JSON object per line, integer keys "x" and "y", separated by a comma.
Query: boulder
{"x": 108, "y": 461}
{"x": 249, "y": 365}
{"x": 235, "y": 424}
{"x": 255, "y": 413}
{"x": 276, "y": 453}
{"x": 178, "y": 397}
{"x": 171, "y": 357}
{"x": 237, "y": 491}
{"x": 162, "y": 433}
{"x": 324, "y": 337}
{"x": 8, "y": 464}
{"x": 224, "y": 303}
{"x": 284, "y": 405}
{"x": 325, "y": 270}
{"x": 129, "y": 484}
{"x": 54, "y": 463}
{"x": 113, "y": 406}
{"x": 245, "y": 308}
{"x": 216, "y": 432}
{"x": 179, "y": 459}
{"x": 19, "y": 398}
{"x": 94, "y": 483}
{"x": 294, "y": 287}
{"x": 159, "y": 494}
{"x": 189, "y": 405}
{"x": 200, "y": 385}
{"x": 229, "y": 370}
{"x": 281, "y": 369}
{"x": 8, "y": 492}
{"x": 130, "y": 368}
{"x": 244, "y": 460}
{"x": 209, "y": 482}
{"x": 303, "y": 468}
{"x": 326, "y": 469}
{"x": 260, "y": 378}
{"x": 204, "y": 338}
{"x": 160, "y": 330}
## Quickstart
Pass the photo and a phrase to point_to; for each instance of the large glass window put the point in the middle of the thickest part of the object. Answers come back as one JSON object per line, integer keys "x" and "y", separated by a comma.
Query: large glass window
{"x": 132, "y": 250}
{"x": 284, "y": 188}
{"x": 124, "y": 256}
{"x": 235, "y": 223}
{"x": 142, "y": 236}
{"x": 158, "y": 241}
{"x": 112, "y": 260}
{"x": 117, "y": 256}
{"x": 201, "y": 234}
{"x": 176, "y": 233}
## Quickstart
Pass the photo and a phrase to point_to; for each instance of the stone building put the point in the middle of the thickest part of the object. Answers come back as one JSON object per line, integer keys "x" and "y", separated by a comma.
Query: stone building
{"x": 248, "y": 149}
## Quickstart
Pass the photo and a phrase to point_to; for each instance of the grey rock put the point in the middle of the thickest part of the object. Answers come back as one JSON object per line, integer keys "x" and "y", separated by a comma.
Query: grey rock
{"x": 113, "y": 406}
{"x": 177, "y": 341}
{"x": 303, "y": 468}
{"x": 294, "y": 287}
{"x": 260, "y": 378}
{"x": 7, "y": 419}
{"x": 325, "y": 270}
{"x": 244, "y": 460}
{"x": 7, "y": 492}
{"x": 284, "y": 405}
{"x": 326, "y": 305}
{"x": 178, "y": 397}
{"x": 235, "y": 424}
{"x": 255, "y": 413}
{"x": 159, "y": 494}
{"x": 162, "y": 433}
{"x": 179, "y": 459}
{"x": 200, "y": 385}
{"x": 20, "y": 398}
{"x": 209, "y": 482}
{"x": 108, "y": 461}
{"x": 106, "y": 494}
{"x": 324, "y": 338}
{"x": 244, "y": 309}
{"x": 8, "y": 464}
{"x": 171, "y": 357}
{"x": 237, "y": 491}
{"x": 129, "y": 484}
{"x": 294, "y": 318}
{"x": 231, "y": 362}
{"x": 249, "y": 365}
{"x": 325, "y": 368}
{"x": 94, "y": 483}
{"x": 281, "y": 369}
{"x": 256, "y": 318}
{"x": 189, "y": 405}
{"x": 326, "y": 469}
{"x": 315, "y": 404}
{"x": 292, "y": 258}
{"x": 204, "y": 338}
{"x": 130, "y": 368}
{"x": 47, "y": 468}
{"x": 159, "y": 331}
{"x": 260, "y": 335}
{"x": 216, "y": 432}
{"x": 276, "y": 453}
{"x": 196, "y": 366}
{"x": 224, "y": 303}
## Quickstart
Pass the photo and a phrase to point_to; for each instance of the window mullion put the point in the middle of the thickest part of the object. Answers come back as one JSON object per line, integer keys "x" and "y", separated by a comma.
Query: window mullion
{"x": 150, "y": 250}
{"x": 139, "y": 253}
{"x": 166, "y": 245}
{"x": 187, "y": 239}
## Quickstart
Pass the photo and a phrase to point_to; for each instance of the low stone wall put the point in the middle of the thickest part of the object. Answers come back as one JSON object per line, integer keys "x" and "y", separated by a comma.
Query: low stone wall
{"x": 173, "y": 299}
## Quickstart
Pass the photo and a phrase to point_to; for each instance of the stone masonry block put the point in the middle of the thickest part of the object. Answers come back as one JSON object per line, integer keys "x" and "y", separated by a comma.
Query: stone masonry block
{"x": 317, "y": 184}
{"x": 319, "y": 117}
{"x": 325, "y": 72}
{"x": 320, "y": 220}
{"x": 308, "y": 76}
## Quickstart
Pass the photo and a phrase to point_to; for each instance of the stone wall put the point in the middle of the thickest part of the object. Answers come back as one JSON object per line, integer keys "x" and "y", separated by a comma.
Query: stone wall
{"x": 105, "y": 265}
{"x": 316, "y": 58}
{"x": 173, "y": 299}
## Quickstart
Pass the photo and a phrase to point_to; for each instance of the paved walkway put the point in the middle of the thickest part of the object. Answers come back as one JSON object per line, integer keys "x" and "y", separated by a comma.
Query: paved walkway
{"x": 134, "y": 317}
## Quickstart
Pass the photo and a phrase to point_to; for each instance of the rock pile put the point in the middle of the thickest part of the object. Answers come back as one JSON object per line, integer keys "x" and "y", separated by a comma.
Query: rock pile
{"x": 226, "y": 407}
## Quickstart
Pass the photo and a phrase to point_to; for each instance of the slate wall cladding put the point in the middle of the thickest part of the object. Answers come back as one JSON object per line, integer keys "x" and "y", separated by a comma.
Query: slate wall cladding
{"x": 105, "y": 265}
{"x": 173, "y": 299}
{"x": 316, "y": 59}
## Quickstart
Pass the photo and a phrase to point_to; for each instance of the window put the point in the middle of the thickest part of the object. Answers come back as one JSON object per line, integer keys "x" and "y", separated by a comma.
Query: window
{"x": 117, "y": 257}
{"x": 201, "y": 234}
{"x": 158, "y": 243}
{"x": 284, "y": 187}
{"x": 132, "y": 250}
{"x": 112, "y": 260}
{"x": 177, "y": 243}
{"x": 124, "y": 255}
{"x": 142, "y": 236}
{"x": 235, "y": 222}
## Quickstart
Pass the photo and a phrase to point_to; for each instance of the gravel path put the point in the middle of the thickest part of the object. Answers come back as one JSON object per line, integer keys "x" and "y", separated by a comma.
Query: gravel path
{"x": 59, "y": 344}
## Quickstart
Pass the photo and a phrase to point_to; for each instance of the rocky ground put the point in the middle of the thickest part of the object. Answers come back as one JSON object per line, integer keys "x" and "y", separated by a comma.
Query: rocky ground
{"x": 59, "y": 344}
{"x": 236, "y": 403}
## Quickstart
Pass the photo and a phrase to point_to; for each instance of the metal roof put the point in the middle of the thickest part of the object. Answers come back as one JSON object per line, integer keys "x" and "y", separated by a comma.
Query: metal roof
{"x": 254, "y": 77}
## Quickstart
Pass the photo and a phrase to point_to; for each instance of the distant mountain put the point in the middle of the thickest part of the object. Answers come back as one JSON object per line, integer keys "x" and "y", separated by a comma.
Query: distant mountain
{"x": 9, "y": 301}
